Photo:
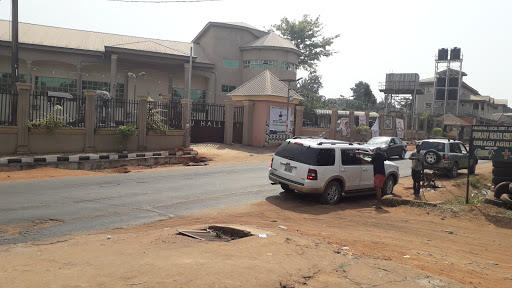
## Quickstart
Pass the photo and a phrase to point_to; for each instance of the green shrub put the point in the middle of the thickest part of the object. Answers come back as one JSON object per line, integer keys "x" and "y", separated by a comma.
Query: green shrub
{"x": 436, "y": 132}
{"x": 52, "y": 122}
{"x": 362, "y": 129}
{"x": 124, "y": 133}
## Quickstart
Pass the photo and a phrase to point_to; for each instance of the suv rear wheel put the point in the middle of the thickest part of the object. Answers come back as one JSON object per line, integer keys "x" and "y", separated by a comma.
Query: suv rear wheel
{"x": 389, "y": 184}
{"x": 454, "y": 172}
{"x": 432, "y": 157}
{"x": 332, "y": 193}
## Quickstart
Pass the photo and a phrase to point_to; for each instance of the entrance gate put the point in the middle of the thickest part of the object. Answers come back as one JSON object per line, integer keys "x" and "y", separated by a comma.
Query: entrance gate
{"x": 238, "y": 125}
{"x": 207, "y": 123}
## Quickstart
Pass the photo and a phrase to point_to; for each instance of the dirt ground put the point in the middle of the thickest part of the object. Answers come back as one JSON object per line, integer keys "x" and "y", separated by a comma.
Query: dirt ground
{"x": 296, "y": 242}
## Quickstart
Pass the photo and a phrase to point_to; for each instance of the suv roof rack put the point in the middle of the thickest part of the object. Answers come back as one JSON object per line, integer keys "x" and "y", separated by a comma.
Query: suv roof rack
{"x": 335, "y": 142}
{"x": 447, "y": 138}
{"x": 308, "y": 137}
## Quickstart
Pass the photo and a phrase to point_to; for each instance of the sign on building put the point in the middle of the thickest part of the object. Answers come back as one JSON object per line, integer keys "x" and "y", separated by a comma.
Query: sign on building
{"x": 491, "y": 142}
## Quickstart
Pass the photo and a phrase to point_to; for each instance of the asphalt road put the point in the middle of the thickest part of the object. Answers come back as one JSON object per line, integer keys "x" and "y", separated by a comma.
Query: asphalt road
{"x": 97, "y": 203}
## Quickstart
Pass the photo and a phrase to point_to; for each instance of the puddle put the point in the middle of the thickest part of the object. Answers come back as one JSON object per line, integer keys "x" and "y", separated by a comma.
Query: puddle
{"x": 216, "y": 233}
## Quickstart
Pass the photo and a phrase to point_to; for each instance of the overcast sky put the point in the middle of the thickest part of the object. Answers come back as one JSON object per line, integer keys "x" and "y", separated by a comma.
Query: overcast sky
{"x": 377, "y": 36}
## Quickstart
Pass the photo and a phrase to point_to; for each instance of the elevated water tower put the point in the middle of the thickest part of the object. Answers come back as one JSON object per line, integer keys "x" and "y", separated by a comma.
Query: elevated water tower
{"x": 447, "y": 81}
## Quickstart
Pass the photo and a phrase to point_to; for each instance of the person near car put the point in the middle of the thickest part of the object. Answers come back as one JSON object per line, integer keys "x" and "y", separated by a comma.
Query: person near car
{"x": 417, "y": 169}
{"x": 379, "y": 172}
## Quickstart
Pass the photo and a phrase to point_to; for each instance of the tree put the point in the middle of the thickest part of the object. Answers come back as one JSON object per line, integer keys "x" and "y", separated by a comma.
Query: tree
{"x": 363, "y": 95}
{"x": 306, "y": 35}
{"x": 309, "y": 89}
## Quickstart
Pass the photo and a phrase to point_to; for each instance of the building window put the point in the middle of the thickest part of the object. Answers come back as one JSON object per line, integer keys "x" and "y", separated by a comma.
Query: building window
{"x": 197, "y": 96}
{"x": 5, "y": 79}
{"x": 228, "y": 88}
{"x": 428, "y": 106}
{"x": 56, "y": 84}
{"x": 104, "y": 86}
{"x": 475, "y": 106}
{"x": 230, "y": 63}
{"x": 261, "y": 64}
{"x": 289, "y": 66}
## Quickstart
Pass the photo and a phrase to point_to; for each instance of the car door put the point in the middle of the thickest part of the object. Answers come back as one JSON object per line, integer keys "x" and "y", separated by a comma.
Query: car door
{"x": 464, "y": 156}
{"x": 455, "y": 154}
{"x": 350, "y": 169}
{"x": 366, "y": 181}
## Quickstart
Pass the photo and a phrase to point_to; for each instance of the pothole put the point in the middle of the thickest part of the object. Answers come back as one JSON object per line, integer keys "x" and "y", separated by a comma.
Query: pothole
{"x": 14, "y": 230}
{"x": 216, "y": 233}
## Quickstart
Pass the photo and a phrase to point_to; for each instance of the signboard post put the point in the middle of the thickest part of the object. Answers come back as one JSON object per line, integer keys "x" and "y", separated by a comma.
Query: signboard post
{"x": 490, "y": 142}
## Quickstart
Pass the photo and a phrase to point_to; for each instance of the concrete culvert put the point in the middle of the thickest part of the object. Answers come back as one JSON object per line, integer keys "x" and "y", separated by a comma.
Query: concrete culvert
{"x": 229, "y": 232}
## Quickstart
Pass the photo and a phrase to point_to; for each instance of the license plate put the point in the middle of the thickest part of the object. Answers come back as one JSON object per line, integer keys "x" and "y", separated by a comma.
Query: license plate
{"x": 288, "y": 169}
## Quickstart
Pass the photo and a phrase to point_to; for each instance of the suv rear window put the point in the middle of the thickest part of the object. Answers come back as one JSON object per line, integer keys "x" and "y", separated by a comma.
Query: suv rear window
{"x": 438, "y": 146}
{"x": 306, "y": 155}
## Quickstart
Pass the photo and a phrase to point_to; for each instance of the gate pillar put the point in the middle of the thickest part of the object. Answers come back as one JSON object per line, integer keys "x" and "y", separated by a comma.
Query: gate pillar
{"x": 334, "y": 120}
{"x": 228, "y": 124}
{"x": 22, "y": 114}
{"x": 299, "y": 119}
{"x": 248, "y": 120}
{"x": 142, "y": 115}
{"x": 184, "y": 123}
{"x": 90, "y": 120}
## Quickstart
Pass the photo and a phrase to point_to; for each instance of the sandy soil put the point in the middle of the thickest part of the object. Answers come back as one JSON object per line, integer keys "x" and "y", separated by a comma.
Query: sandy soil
{"x": 306, "y": 244}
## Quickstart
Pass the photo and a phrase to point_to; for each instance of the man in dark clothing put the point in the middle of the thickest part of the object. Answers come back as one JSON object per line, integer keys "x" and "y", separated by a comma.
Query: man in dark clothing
{"x": 379, "y": 172}
{"x": 417, "y": 169}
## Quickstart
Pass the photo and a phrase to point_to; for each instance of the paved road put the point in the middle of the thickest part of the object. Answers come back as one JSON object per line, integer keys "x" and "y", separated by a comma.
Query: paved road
{"x": 97, "y": 203}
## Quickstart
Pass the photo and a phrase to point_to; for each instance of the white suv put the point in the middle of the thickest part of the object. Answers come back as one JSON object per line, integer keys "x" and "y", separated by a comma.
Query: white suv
{"x": 326, "y": 167}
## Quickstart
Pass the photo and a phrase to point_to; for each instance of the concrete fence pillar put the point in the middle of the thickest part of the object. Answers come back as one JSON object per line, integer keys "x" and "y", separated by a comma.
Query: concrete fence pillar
{"x": 22, "y": 115}
{"x": 142, "y": 115}
{"x": 184, "y": 121}
{"x": 228, "y": 122}
{"x": 299, "y": 120}
{"x": 334, "y": 120}
{"x": 248, "y": 119}
{"x": 165, "y": 98}
{"x": 90, "y": 120}
{"x": 393, "y": 124}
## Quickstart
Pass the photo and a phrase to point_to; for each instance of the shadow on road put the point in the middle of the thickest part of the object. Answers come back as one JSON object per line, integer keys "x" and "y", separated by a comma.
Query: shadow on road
{"x": 310, "y": 203}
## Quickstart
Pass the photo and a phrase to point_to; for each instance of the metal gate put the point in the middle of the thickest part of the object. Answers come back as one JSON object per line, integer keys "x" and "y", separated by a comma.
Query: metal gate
{"x": 207, "y": 123}
{"x": 238, "y": 125}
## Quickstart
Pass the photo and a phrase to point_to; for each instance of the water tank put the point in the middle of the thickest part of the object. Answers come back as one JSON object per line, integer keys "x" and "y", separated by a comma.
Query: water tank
{"x": 455, "y": 53}
{"x": 441, "y": 82}
{"x": 453, "y": 94}
{"x": 442, "y": 54}
{"x": 440, "y": 94}
{"x": 454, "y": 82}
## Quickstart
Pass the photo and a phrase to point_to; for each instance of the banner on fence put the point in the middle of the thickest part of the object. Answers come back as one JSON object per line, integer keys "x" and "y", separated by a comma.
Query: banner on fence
{"x": 399, "y": 128}
{"x": 375, "y": 128}
{"x": 362, "y": 120}
{"x": 343, "y": 125}
{"x": 277, "y": 121}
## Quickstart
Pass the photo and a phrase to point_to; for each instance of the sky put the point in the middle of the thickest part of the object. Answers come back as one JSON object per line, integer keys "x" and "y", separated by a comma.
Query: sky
{"x": 376, "y": 36}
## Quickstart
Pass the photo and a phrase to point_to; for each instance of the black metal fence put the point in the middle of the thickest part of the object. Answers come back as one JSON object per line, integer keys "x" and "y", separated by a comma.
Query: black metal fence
{"x": 164, "y": 116}
{"x": 210, "y": 112}
{"x": 114, "y": 112}
{"x": 70, "y": 111}
{"x": 8, "y": 107}
{"x": 316, "y": 120}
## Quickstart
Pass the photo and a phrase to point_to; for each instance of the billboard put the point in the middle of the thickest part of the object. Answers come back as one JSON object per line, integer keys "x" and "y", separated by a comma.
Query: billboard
{"x": 491, "y": 142}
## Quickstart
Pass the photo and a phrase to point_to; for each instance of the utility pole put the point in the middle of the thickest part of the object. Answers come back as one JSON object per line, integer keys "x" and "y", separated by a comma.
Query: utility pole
{"x": 14, "y": 56}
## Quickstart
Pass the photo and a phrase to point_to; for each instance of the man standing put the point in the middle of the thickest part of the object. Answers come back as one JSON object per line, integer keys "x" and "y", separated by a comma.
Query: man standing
{"x": 417, "y": 169}
{"x": 379, "y": 172}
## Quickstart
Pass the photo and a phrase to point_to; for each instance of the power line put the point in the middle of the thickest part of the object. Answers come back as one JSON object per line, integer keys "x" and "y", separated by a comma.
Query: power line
{"x": 163, "y": 1}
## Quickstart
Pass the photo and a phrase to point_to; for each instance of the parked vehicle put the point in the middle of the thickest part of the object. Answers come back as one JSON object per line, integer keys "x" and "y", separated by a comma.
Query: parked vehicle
{"x": 391, "y": 146}
{"x": 447, "y": 155}
{"x": 326, "y": 167}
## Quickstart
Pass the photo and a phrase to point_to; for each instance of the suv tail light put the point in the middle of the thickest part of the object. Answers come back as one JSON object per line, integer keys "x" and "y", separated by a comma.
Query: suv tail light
{"x": 446, "y": 157}
{"x": 272, "y": 163}
{"x": 312, "y": 175}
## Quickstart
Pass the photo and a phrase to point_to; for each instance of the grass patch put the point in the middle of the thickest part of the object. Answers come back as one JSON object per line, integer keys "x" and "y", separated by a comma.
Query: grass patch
{"x": 503, "y": 212}
{"x": 343, "y": 265}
